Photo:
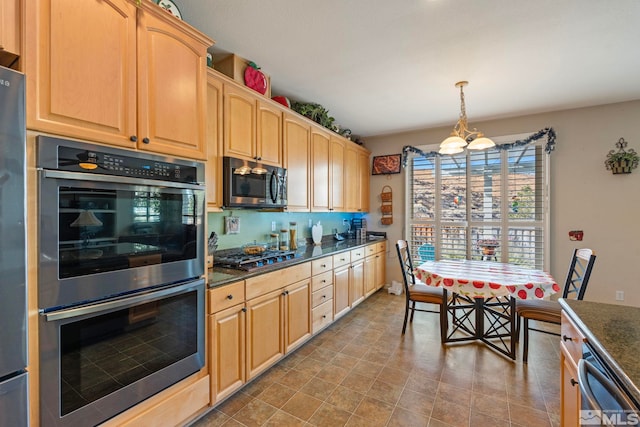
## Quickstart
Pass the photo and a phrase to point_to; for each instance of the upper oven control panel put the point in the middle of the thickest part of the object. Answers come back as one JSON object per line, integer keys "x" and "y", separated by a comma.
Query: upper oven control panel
{"x": 72, "y": 156}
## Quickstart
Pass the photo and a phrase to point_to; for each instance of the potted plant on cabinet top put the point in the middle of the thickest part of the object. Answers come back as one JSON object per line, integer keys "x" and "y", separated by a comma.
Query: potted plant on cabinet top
{"x": 622, "y": 161}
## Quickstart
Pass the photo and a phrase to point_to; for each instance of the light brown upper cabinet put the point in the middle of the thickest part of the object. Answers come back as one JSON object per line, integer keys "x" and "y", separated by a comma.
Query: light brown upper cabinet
{"x": 115, "y": 73}
{"x": 214, "y": 141}
{"x": 356, "y": 178}
{"x": 252, "y": 127}
{"x": 336, "y": 174}
{"x": 320, "y": 169}
{"x": 9, "y": 32}
{"x": 297, "y": 156}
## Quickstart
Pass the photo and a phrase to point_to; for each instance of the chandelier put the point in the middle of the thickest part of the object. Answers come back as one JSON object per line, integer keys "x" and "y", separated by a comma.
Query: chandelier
{"x": 461, "y": 136}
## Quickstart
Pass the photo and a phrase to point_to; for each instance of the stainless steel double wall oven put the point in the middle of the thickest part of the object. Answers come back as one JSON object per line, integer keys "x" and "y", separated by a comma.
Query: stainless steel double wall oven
{"x": 120, "y": 287}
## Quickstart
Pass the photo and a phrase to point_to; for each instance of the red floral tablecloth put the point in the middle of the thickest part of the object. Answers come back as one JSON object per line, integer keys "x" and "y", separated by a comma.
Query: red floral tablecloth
{"x": 482, "y": 279}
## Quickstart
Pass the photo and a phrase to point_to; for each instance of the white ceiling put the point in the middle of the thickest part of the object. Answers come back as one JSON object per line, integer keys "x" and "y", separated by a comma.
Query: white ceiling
{"x": 383, "y": 66}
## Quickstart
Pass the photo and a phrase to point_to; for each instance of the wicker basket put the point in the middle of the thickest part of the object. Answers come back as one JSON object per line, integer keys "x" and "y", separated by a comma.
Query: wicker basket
{"x": 387, "y": 194}
{"x": 387, "y": 220}
{"x": 386, "y": 209}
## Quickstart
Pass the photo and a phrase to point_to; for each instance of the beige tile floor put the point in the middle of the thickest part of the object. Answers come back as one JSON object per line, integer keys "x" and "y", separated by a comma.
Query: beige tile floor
{"x": 362, "y": 372}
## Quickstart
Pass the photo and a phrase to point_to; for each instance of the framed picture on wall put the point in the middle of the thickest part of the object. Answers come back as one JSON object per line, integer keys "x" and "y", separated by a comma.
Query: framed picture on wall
{"x": 385, "y": 165}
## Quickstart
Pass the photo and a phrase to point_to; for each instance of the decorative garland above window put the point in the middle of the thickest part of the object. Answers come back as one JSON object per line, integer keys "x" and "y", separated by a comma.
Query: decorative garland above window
{"x": 548, "y": 148}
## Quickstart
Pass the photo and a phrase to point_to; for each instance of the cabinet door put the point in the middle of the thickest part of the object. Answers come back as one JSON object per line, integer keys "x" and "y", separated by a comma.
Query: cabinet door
{"x": 269, "y": 134}
{"x": 297, "y": 157}
{"x": 363, "y": 171}
{"x": 172, "y": 87}
{"x": 336, "y": 175}
{"x": 227, "y": 355}
{"x": 81, "y": 82}
{"x": 341, "y": 291}
{"x": 356, "y": 284}
{"x": 370, "y": 280}
{"x": 265, "y": 342}
{"x": 381, "y": 269}
{"x": 10, "y": 20}
{"x": 319, "y": 171}
{"x": 298, "y": 309}
{"x": 214, "y": 142}
{"x": 570, "y": 391}
{"x": 351, "y": 179}
{"x": 239, "y": 123}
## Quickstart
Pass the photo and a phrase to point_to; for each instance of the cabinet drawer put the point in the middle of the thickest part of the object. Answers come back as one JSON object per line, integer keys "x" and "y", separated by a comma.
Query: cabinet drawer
{"x": 268, "y": 282}
{"x": 321, "y": 265}
{"x": 357, "y": 254}
{"x": 321, "y": 296}
{"x": 341, "y": 259}
{"x": 226, "y": 296}
{"x": 322, "y": 315}
{"x": 370, "y": 249}
{"x": 381, "y": 247}
{"x": 321, "y": 280}
{"x": 571, "y": 338}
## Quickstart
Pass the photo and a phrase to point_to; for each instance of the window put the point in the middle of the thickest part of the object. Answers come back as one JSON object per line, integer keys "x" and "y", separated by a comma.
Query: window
{"x": 480, "y": 205}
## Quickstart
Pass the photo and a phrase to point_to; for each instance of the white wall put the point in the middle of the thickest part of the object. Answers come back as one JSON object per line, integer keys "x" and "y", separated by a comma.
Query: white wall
{"x": 584, "y": 195}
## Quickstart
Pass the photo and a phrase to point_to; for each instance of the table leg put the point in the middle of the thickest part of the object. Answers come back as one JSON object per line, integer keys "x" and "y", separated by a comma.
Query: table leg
{"x": 490, "y": 320}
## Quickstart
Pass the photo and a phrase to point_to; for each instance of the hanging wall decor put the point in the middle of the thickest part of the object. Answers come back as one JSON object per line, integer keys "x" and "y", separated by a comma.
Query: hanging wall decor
{"x": 622, "y": 161}
{"x": 387, "y": 205}
{"x": 385, "y": 165}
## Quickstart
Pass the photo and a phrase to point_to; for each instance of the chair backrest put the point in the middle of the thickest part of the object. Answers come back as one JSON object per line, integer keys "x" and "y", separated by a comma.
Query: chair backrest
{"x": 427, "y": 252}
{"x": 579, "y": 273}
{"x": 406, "y": 265}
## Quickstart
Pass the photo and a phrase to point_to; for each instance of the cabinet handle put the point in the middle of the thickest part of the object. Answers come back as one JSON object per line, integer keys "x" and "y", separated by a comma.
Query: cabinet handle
{"x": 324, "y": 316}
{"x": 342, "y": 259}
{"x": 324, "y": 296}
{"x": 229, "y": 296}
{"x": 574, "y": 382}
{"x": 323, "y": 281}
{"x": 566, "y": 338}
{"x": 145, "y": 140}
{"x": 244, "y": 309}
{"x": 133, "y": 138}
{"x": 323, "y": 265}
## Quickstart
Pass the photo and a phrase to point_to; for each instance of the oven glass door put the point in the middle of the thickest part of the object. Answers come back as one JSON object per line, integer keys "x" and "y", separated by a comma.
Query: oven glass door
{"x": 100, "y": 238}
{"x": 100, "y": 360}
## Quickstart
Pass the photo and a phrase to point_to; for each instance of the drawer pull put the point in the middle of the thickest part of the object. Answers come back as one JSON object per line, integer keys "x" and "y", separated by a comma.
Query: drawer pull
{"x": 324, "y": 316}
{"x": 323, "y": 281}
{"x": 566, "y": 338}
{"x": 323, "y": 265}
{"x": 229, "y": 296}
{"x": 244, "y": 309}
{"x": 574, "y": 382}
{"x": 342, "y": 259}
{"x": 324, "y": 296}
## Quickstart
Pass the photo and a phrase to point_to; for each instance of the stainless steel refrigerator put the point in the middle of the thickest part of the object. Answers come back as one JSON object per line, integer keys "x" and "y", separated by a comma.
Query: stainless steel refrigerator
{"x": 14, "y": 394}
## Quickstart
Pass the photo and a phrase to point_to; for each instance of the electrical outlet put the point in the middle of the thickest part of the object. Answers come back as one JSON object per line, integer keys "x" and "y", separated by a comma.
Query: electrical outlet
{"x": 310, "y": 223}
{"x": 345, "y": 221}
{"x": 619, "y": 295}
{"x": 273, "y": 226}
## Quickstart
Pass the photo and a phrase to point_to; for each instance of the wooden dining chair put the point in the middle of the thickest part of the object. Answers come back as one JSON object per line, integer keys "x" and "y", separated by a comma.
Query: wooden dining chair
{"x": 419, "y": 292}
{"x": 549, "y": 311}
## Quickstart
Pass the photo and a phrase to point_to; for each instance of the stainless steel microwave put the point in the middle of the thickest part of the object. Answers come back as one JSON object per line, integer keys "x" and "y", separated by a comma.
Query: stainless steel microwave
{"x": 249, "y": 184}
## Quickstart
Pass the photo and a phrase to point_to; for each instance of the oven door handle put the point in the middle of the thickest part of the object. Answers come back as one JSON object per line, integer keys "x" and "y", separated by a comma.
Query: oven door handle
{"x": 121, "y": 303}
{"x": 48, "y": 173}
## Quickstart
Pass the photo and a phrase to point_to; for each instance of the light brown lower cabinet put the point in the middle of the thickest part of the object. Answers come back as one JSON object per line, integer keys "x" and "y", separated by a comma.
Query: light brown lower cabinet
{"x": 265, "y": 335}
{"x": 227, "y": 344}
{"x": 370, "y": 275}
{"x": 570, "y": 353}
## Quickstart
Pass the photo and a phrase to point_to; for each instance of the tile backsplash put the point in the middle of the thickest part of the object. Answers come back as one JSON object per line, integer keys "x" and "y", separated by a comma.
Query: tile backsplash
{"x": 254, "y": 225}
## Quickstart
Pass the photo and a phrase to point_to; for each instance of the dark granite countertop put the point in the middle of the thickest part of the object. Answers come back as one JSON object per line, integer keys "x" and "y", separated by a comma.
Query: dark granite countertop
{"x": 613, "y": 331}
{"x": 218, "y": 276}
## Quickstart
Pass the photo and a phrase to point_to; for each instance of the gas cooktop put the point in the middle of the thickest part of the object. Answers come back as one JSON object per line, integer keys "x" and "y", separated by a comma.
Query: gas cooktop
{"x": 238, "y": 260}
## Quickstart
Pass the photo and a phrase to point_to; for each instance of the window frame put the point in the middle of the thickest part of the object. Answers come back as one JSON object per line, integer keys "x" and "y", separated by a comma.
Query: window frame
{"x": 469, "y": 224}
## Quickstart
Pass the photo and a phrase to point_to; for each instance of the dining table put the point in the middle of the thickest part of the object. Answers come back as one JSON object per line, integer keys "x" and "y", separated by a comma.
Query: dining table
{"x": 480, "y": 298}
